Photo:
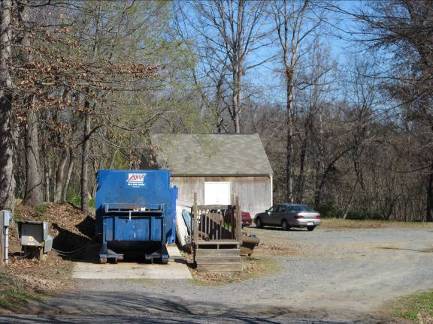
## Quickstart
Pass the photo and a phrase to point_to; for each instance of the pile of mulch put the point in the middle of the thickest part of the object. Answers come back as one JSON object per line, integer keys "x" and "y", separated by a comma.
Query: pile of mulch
{"x": 65, "y": 216}
{"x": 53, "y": 272}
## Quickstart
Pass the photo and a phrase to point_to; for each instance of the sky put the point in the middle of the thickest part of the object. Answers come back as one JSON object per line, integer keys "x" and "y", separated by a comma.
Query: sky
{"x": 335, "y": 35}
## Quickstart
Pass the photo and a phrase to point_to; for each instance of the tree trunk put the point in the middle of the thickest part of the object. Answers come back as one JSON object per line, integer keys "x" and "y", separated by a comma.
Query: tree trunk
{"x": 349, "y": 203}
{"x": 429, "y": 214}
{"x": 219, "y": 104}
{"x": 7, "y": 180}
{"x": 84, "y": 161}
{"x": 318, "y": 187}
{"x": 289, "y": 147}
{"x": 236, "y": 98}
{"x": 238, "y": 102}
{"x": 301, "y": 178}
{"x": 47, "y": 175}
{"x": 238, "y": 64}
{"x": 68, "y": 176}
{"x": 33, "y": 193}
{"x": 60, "y": 177}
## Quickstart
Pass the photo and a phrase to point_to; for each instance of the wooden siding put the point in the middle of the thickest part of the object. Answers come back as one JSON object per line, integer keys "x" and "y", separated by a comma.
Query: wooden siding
{"x": 255, "y": 193}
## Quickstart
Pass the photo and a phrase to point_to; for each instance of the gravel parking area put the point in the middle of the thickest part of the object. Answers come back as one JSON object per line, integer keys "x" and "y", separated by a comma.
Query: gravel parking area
{"x": 325, "y": 275}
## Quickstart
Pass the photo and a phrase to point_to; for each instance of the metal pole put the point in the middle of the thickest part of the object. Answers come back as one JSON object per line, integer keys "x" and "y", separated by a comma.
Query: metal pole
{"x": 6, "y": 244}
{"x": 5, "y": 219}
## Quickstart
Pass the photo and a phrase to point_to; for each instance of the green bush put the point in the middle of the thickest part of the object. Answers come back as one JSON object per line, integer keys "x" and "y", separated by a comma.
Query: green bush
{"x": 75, "y": 200}
{"x": 329, "y": 210}
{"x": 41, "y": 209}
{"x": 364, "y": 214}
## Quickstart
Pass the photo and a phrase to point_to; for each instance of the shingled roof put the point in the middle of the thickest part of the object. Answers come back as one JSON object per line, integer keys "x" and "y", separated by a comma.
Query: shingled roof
{"x": 212, "y": 154}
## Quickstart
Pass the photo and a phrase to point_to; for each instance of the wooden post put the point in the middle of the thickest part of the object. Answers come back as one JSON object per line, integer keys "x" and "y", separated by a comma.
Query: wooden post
{"x": 195, "y": 220}
{"x": 238, "y": 221}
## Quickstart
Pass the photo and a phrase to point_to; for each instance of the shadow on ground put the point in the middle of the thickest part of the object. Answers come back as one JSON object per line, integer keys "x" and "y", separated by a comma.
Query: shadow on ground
{"x": 275, "y": 228}
{"x": 74, "y": 246}
{"x": 428, "y": 250}
{"x": 131, "y": 307}
{"x": 83, "y": 247}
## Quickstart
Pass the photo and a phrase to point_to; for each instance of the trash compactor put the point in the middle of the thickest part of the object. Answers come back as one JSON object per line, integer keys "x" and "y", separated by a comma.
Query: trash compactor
{"x": 135, "y": 214}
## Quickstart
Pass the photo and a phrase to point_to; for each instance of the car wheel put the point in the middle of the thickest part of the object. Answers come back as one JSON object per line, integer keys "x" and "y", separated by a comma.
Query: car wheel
{"x": 259, "y": 223}
{"x": 310, "y": 228}
{"x": 284, "y": 225}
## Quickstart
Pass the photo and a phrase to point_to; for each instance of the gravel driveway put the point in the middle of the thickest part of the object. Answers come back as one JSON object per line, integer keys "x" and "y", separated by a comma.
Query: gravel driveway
{"x": 329, "y": 275}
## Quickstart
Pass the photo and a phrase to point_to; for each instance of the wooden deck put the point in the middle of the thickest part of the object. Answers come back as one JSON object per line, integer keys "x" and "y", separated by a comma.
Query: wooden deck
{"x": 217, "y": 238}
{"x": 218, "y": 260}
{"x": 217, "y": 244}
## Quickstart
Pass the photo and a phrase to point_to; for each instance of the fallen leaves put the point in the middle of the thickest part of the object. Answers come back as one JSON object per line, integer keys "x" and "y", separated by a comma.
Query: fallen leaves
{"x": 52, "y": 273}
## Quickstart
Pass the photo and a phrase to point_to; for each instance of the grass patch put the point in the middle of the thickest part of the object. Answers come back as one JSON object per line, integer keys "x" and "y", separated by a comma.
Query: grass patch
{"x": 417, "y": 307}
{"x": 13, "y": 294}
{"x": 75, "y": 200}
{"x": 339, "y": 223}
{"x": 41, "y": 209}
{"x": 253, "y": 267}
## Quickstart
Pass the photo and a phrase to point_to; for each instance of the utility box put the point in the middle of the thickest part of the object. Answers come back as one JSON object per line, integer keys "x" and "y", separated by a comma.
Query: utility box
{"x": 5, "y": 219}
{"x": 135, "y": 214}
{"x": 34, "y": 238}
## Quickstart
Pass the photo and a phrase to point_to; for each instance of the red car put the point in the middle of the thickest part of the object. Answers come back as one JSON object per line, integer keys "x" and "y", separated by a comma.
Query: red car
{"x": 246, "y": 218}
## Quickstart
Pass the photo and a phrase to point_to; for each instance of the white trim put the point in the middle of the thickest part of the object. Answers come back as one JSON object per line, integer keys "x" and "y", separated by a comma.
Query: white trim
{"x": 272, "y": 191}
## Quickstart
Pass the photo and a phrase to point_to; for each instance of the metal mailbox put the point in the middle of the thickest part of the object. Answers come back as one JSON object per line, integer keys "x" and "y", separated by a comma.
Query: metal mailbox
{"x": 135, "y": 213}
{"x": 34, "y": 237}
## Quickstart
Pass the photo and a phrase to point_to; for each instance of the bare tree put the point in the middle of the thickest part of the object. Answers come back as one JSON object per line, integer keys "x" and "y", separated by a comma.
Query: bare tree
{"x": 7, "y": 181}
{"x": 33, "y": 191}
{"x": 233, "y": 28}
{"x": 292, "y": 29}
{"x": 405, "y": 29}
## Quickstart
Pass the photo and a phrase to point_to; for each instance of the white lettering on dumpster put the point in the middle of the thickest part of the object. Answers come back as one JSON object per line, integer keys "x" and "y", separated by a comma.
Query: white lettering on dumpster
{"x": 136, "y": 179}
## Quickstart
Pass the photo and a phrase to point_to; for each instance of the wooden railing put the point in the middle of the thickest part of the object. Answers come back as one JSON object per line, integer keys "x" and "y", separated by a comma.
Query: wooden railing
{"x": 216, "y": 222}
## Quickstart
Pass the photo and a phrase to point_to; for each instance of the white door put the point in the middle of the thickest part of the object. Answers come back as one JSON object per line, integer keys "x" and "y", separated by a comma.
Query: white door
{"x": 217, "y": 193}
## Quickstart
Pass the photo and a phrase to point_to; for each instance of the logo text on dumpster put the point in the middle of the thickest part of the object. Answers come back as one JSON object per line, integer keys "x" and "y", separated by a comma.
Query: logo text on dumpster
{"x": 136, "y": 179}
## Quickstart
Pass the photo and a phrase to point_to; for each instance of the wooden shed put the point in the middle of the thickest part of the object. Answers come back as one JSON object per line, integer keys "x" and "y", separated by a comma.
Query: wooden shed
{"x": 218, "y": 167}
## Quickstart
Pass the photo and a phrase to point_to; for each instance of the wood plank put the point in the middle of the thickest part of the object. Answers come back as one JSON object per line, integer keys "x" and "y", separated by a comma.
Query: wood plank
{"x": 194, "y": 220}
{"x": 215, "y": 246}
{"x": 238, "y": 226}
{"x": 228, "y": 242}
{"x": 217, "y": 252}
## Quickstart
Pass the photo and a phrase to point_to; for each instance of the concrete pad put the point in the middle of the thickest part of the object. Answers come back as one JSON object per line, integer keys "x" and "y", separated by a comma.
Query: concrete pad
{"x": 130, "y": 270}
{"x": 173, "y": 252}
{"x": 175, "y": 269}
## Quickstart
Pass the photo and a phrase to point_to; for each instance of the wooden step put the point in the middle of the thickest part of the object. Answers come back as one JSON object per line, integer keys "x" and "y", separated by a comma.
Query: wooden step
{"x": 217, "y": 245}
{"x": 218, "y": 260}
{"x": 227, "y": 267}
{"x": 217, "y": 252}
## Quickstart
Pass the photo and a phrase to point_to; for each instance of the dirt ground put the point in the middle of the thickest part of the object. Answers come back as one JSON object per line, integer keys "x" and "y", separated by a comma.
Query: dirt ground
{"x": 30, "y": 278}
{"x": 330, "y": 274}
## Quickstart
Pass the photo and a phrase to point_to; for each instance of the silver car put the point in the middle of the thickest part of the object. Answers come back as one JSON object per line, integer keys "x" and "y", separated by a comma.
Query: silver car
{"x": 289, "y": 215}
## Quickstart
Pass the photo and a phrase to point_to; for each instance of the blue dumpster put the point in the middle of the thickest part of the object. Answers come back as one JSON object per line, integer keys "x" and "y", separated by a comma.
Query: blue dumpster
{"x": 135, "y": 214}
